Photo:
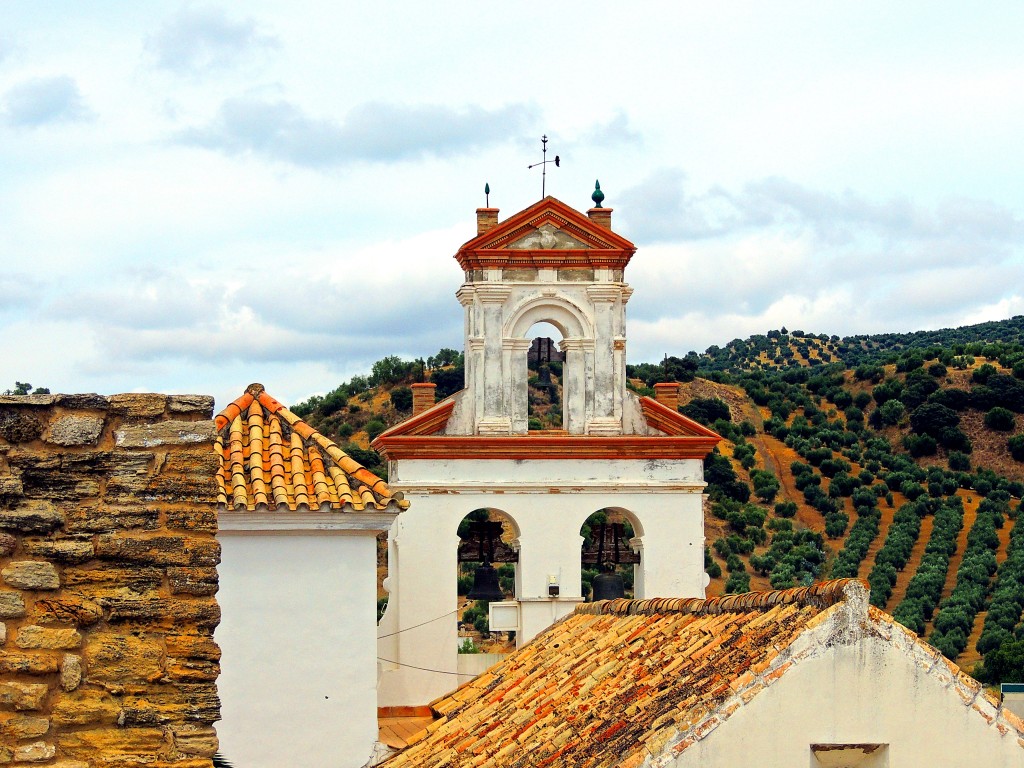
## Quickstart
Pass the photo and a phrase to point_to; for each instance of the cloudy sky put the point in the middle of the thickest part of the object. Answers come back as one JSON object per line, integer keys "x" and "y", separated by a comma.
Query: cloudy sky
{"x": 194, "y": 196}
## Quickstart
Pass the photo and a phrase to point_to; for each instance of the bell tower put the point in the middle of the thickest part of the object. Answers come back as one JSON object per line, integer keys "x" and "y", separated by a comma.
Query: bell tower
{"x": 548, "y": 263}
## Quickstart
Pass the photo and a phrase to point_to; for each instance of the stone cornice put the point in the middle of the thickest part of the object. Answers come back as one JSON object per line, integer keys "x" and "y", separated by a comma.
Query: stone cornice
{"x": 324, "y": 521}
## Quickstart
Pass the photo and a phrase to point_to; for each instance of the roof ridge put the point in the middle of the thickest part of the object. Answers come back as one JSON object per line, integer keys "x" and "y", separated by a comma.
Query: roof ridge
{"x": 820, "y": 595}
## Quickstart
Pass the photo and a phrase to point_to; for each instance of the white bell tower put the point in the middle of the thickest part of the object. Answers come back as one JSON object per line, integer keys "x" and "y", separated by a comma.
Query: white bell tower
{"x": 543, "y": 266}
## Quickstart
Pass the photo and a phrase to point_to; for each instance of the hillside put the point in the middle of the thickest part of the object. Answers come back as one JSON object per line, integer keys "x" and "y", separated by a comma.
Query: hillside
{"x": 905, "y": 469}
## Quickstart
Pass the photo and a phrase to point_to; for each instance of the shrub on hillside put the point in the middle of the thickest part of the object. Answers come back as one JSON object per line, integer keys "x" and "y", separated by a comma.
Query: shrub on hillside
{"x": 1000, "y": 419}
{"x": 1016, "y": 447}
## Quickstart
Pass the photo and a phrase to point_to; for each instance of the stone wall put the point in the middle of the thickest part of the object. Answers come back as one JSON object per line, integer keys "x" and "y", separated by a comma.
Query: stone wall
{"x": 108, "y": 570}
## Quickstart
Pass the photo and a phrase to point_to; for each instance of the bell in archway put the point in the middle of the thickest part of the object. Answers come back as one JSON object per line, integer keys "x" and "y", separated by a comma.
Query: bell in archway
{"x": 608, "y": 585}
{"x": 485, "y": 584}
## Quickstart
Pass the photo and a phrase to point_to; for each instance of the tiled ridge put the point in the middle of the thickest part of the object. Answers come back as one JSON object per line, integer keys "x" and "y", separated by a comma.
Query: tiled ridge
{"x": 269, "y": 457}
{"x": 820, "y": 595}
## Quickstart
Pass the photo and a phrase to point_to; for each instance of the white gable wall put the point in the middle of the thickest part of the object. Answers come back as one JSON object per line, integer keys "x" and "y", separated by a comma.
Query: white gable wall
{"x": 873, "y": 692}
{"x": 298, "y": 640}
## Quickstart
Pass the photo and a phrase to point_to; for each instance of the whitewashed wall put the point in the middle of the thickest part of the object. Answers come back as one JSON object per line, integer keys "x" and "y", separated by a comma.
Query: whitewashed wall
{"x": 298, "y": 641}
{"x": 868, "y": 693}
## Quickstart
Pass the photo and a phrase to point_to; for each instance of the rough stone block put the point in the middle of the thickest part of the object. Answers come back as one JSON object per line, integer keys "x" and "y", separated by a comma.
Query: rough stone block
{"x": 27, "y": 399}
{"x": 145, "y": 550}
{"x": 85, "y": 707}
{"x": 10, "y": 486}
{"x": 24, "y": 727}
{"x": 32, "y": 517}
{"x": 75, "y": 430}
{"x": 108, "y": 575}
{"x": 36, "y": 752}
{"x": 159, "y": 612}
{"x": 193, "y": 647}
{"x": 197, "y": 740}
{"x": 118, "y": 660}
{"x": 84, "y": 401}
{"x": 70, "y": 672}
{"x": 201, "y": 461}
{"x": 204, "y": 552}
{"x": 192, "y": 581}
{"x": 66, "y": 609}
{"x": 18, "y": 425}
{"x": 14, "y": 663}
{"x": 165, "y": 433}
{"x": 198, "y": 404}
{"x": 192, "y": 671}
{"x": 3, "y": 633}
{"x": 114, "y": 743}
{"x": 61, "y": 550}
{"x": 7, "y": 544}
{"x": 12, "y": 604}
{"x": 106, "y": 519}
{"x": 23, "y": 696}
{"x": 201, "y": 519}
{"x": 191, "y": 488}
{"x": 31, "y": 574}
{"x": 136, "y": 405}
{"x": 33, "y": 637}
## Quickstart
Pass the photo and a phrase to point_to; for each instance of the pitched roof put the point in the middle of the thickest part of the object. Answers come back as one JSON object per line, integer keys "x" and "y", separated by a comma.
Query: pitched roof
{"x": 588, "y": 244}
{"x": 269, "y": 457}
{"x": 621, "y": 681}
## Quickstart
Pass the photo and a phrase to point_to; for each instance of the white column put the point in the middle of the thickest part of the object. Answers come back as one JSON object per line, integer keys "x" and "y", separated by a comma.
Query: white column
{"x": 518, "y": 392}
{"x": 494, "y": 419}
{"x": 574, "y": 392}
{"x": 603, "y": 422}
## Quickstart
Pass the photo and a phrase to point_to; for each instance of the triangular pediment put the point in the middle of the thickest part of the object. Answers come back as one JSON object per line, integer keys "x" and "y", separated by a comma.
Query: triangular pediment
{"x": 552, "y": 225}
{"x": 547, "y": 237}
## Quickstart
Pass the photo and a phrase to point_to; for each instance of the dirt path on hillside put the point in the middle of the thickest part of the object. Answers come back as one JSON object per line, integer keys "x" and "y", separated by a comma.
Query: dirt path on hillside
{"x": 903, "y": 578}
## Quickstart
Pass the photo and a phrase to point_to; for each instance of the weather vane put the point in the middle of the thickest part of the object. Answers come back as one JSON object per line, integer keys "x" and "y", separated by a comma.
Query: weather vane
{"x": 544, "y": 165}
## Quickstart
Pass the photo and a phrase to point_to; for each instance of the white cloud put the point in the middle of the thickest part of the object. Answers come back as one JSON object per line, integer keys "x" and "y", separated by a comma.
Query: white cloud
{"x": 371, "y": 132}
{"x": 42, "y": 100}
{"x": 199, "y": 39}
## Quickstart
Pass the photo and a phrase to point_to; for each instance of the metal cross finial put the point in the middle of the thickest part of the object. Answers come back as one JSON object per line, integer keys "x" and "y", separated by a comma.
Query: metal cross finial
{"x": 544, "y": 165}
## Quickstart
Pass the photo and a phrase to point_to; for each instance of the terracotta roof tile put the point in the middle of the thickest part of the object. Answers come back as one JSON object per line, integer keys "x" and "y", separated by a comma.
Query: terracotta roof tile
{"x": 269, "y": 457}
{"x": 621, "y": 681}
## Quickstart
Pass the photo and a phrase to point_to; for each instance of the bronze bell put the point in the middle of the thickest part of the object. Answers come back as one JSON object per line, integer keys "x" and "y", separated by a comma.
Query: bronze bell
{"x": 608, "y": 585}
{"x": 485, "y": 584}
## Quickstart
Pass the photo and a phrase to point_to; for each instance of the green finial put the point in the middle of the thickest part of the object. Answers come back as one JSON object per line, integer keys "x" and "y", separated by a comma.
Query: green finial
{"x": 598, "y": 196}
{"x": 487, "y": 194}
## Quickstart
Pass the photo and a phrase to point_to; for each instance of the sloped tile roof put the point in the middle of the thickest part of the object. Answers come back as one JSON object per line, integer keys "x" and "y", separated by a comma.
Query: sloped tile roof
{"x": 620, "y": 682}
{"x": 270, "y": 458}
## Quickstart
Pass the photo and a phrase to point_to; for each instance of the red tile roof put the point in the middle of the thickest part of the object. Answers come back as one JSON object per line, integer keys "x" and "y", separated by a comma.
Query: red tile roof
{"x": 623, "y": 681}
{"x": 269, "y": 457}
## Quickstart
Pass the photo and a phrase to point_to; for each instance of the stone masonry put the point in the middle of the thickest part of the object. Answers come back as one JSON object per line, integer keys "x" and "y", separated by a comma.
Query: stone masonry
{"x": 108, "y": 570}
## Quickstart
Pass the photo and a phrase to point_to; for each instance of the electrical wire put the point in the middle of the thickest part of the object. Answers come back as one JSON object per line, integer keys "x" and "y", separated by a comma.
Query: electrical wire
{"x": 422, "y": 669}
{"x": 415, "y": 626}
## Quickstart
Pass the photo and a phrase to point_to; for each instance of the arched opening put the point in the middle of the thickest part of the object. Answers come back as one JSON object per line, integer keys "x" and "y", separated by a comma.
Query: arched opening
{"x": 544, "y": 362}
{"x": 488, "y": 539}
{"x": 610, "y": 549}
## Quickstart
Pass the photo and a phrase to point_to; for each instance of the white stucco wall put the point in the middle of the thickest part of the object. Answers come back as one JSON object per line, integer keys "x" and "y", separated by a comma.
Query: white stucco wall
{"x": 298, "y": 641}
{"x": 867, "y": 693}
{"x": 548, "y": 502}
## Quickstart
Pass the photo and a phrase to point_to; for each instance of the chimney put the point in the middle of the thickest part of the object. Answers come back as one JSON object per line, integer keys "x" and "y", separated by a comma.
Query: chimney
{"x": 423, "y": 396}
{"x": 666, "y": 393}
{"x": 601, "y": 216}
{"x": 486, "y": 219}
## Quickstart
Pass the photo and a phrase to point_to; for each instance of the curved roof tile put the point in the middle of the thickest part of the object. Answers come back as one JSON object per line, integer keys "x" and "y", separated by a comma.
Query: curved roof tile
{"x": 269, "y": 457}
